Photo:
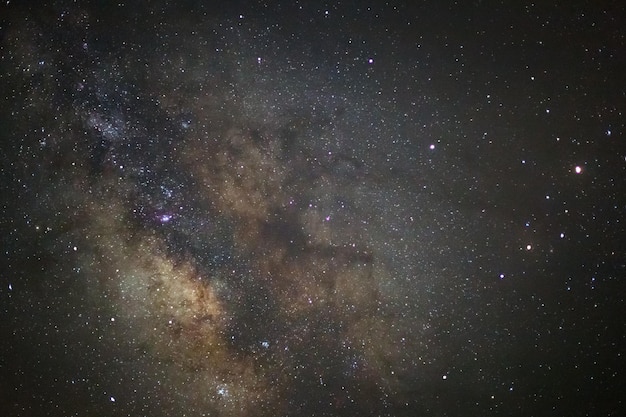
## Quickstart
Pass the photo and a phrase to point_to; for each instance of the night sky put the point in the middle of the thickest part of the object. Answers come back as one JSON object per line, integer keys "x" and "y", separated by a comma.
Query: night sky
{"x": 308, "y": 208}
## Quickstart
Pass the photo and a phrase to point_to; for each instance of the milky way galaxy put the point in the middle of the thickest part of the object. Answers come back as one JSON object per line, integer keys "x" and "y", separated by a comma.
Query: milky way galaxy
{"x": 289, "y": 209}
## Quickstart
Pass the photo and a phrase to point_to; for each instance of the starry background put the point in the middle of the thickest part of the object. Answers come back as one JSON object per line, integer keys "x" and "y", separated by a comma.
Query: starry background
{"x": 312, "y": 208}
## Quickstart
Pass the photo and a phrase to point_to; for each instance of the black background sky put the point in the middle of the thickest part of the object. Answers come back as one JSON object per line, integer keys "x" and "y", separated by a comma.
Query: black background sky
{"x": 312, "y": 208}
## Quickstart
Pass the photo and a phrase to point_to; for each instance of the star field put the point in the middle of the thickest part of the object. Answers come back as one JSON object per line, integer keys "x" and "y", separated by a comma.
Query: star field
{"x": 305, "y": 208}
